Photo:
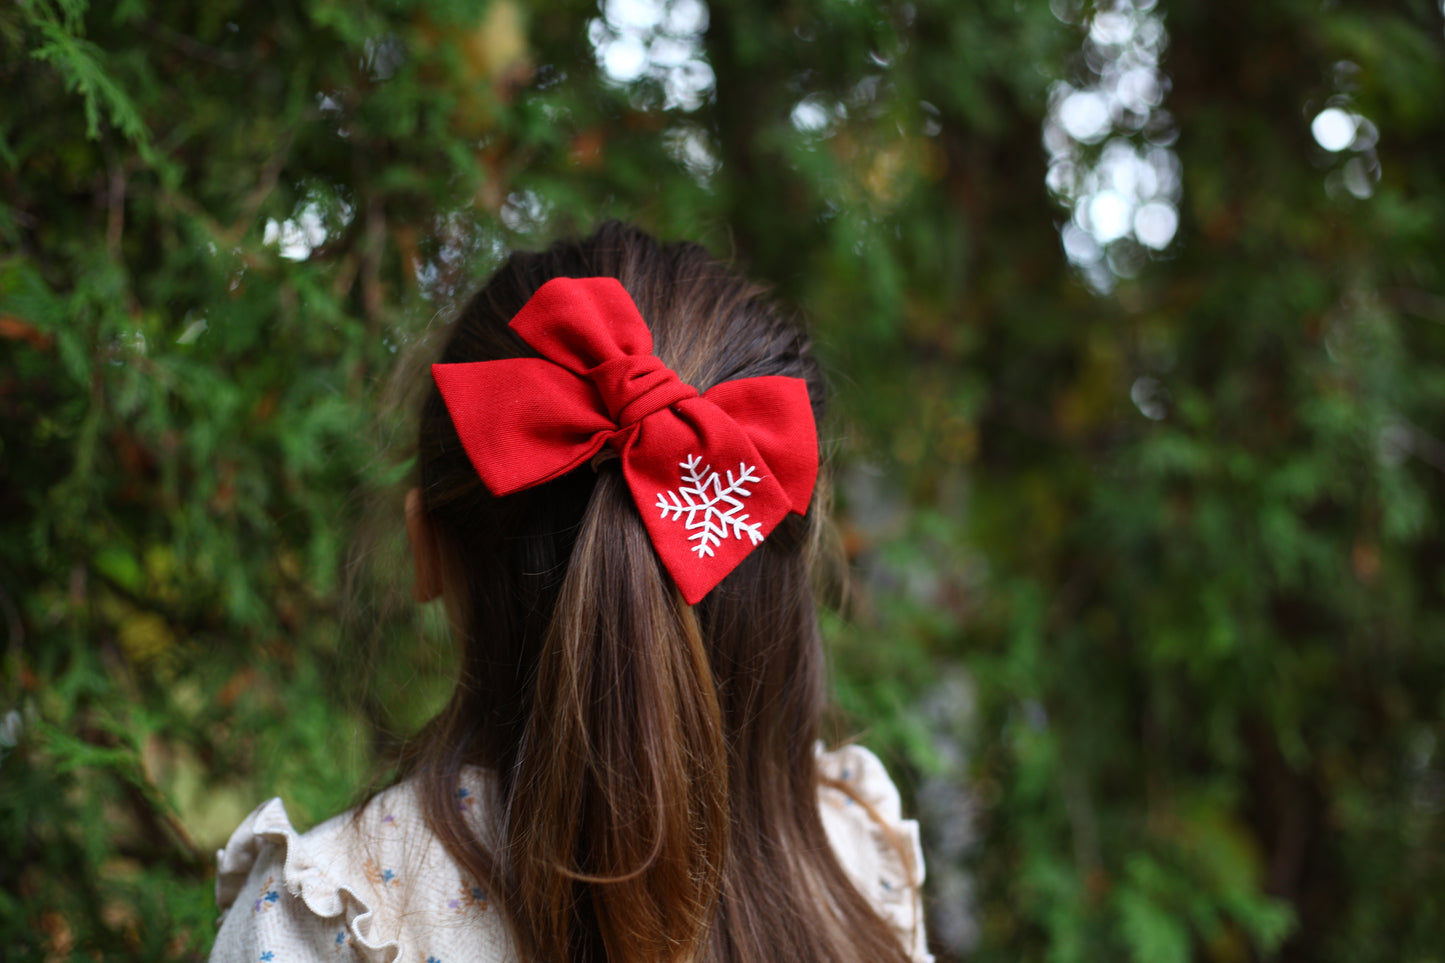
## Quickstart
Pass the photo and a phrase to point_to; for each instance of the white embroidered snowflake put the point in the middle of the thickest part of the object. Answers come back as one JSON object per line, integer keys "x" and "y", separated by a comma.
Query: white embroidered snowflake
{"x": 711, "y": 508}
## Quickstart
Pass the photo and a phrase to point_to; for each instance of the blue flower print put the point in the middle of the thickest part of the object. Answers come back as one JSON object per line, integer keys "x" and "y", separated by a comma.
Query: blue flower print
{"x": 379, "y": 876}
{"x": 432, "y": 959}
{"x": 267, "y": 897}
{"x": 341, "y": 937}
{"x": 467, "y": 896}
{"x": 267, "y": 956}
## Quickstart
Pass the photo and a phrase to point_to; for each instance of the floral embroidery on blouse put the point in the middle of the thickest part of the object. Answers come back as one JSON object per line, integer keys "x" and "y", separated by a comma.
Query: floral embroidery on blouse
{"x": 378, "y": 876}
{"x": 468, "y": 896}
{"x": 465, "y": 799}
{"x": 267, "y": 897}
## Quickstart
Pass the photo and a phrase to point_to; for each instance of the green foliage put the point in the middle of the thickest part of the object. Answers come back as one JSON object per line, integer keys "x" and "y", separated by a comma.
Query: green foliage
{"x": 1149, "y": 580}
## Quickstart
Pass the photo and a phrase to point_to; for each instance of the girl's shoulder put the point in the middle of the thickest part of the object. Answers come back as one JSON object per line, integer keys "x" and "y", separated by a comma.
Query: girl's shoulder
{"x": 877, "y": 847}
{"x": 375, "y": 884}
{"x": 372, "y": 884}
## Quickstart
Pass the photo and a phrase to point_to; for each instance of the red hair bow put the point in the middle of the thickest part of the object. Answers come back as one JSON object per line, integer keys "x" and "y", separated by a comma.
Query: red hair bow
{"x": 711, "y": 474}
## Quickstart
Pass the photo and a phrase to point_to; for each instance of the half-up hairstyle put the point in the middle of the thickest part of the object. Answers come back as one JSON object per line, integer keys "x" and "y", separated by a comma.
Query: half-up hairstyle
{"x": 656, "y": 789}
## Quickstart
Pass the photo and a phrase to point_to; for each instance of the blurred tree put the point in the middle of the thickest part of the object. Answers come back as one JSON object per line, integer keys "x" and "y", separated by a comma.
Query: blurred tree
{"x": 1136, "y": 312}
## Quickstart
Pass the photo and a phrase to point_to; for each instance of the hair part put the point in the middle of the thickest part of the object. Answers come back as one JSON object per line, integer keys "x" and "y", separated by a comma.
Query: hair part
{"x": 655, "y": 777}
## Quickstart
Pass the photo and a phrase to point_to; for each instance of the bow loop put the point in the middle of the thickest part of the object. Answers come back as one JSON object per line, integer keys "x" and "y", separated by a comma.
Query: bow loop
{"x": 580, "y": 323}
{"x": 711, "y": 474}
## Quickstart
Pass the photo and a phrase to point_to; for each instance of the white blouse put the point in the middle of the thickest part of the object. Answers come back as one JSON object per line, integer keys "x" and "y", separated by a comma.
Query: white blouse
{"x": 379, "y": 887}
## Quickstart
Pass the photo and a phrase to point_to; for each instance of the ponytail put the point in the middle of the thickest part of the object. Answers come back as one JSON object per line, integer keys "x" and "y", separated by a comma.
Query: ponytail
{"x": 619, "y": 815}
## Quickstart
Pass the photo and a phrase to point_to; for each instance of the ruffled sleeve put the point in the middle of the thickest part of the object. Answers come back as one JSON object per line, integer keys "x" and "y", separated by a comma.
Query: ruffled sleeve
{"x": 372, "y": 885}
{"x": 282, "y": 902}
{"x": 877, "y": 847}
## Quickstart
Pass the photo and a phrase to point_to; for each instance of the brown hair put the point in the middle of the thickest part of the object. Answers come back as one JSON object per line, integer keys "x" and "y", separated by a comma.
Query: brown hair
{"x": 655, "y": 780}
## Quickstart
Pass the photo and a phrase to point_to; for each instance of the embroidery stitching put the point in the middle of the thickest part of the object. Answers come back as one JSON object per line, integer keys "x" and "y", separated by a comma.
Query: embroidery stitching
{"x": 693, "y": 499}
{"x": 267, "y": 898}
{"x": 379, "y": 876}
{"x": 468, "y": 896}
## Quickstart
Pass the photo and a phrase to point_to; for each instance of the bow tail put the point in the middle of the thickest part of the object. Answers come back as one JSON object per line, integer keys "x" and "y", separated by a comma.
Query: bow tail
{"x": 705, "y": 493}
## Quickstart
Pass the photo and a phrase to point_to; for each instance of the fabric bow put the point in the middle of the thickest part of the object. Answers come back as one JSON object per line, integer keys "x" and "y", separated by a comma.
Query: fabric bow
{"x": 712, "y": 474}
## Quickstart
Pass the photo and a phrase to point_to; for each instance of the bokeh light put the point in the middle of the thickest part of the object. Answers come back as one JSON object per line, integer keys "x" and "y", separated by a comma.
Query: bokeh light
{"x": 1109, "y": 141}
{"x": 657, "y": 40}
{"x": 1349, "y": 138}
{"x": 1333, "y": 129}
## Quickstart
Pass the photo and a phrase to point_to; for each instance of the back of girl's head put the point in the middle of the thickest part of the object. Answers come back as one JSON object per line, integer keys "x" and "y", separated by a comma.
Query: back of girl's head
{"x": 654, "y": 760}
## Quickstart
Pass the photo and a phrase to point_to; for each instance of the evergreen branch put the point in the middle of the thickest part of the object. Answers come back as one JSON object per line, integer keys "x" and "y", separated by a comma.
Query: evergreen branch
{"x": 79, "y": 63}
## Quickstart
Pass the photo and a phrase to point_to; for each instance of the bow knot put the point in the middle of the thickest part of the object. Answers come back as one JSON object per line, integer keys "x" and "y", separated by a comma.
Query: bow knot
{"x": 635, "y": 386}
{"x": 711, "y": 474}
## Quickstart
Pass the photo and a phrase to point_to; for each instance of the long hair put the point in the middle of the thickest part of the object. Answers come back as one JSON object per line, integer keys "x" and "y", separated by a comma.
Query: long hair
{"x": 655, "y": 781}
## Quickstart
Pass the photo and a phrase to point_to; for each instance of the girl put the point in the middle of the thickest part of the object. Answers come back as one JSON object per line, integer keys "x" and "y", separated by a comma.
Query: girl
{"x": 627, "y": 768}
